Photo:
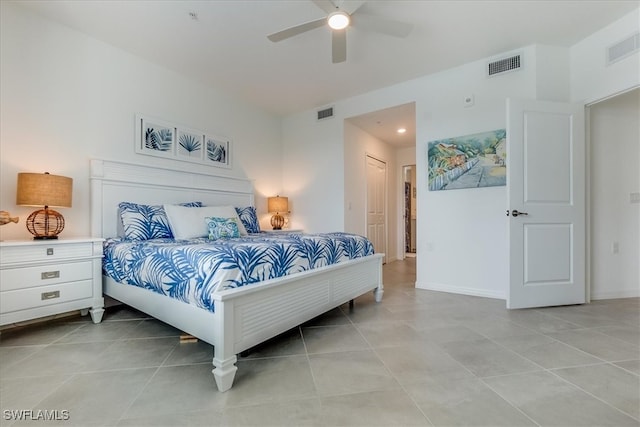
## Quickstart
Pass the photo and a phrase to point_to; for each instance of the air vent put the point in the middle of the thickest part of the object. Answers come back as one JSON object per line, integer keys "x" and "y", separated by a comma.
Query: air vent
{"x": 503, "y": 65}
{"x": 624, "y": 48}
{"x": 325, "y": 114}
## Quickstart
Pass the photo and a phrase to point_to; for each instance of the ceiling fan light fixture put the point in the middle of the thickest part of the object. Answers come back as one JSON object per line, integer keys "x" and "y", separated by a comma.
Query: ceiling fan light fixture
{"x": 338, "y": 20}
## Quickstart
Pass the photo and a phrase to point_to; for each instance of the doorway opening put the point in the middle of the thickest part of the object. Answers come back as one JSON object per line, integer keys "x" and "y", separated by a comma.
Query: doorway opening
{"x": 410, "y": 205}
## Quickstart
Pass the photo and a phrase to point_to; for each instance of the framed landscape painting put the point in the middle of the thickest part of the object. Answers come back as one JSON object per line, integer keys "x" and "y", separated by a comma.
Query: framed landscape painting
{"x": 469, "y": 161}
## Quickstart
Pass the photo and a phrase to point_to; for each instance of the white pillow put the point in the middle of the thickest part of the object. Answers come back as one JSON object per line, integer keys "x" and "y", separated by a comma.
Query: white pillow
{"x": 188, "y": 223}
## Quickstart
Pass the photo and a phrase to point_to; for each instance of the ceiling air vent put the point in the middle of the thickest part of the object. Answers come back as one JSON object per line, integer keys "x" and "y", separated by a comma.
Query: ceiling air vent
{"x": 503, "y": 65}
{"x": 624, "y": 48}
{"x": 327, "y": 113}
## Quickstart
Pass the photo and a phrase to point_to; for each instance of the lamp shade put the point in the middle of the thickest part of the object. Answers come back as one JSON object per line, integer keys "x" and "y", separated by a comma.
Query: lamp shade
{"x": 44, "y": 189}
{"x": 278, "y": 204}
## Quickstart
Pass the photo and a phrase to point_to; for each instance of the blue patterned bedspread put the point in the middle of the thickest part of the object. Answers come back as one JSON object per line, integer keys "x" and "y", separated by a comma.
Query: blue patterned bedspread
{"x": 191, "y": 270}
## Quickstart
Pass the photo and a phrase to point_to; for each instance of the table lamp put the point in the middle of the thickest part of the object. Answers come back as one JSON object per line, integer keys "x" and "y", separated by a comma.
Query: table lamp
{"x": 276, "y": 205}
{"x": 44, "y": 189}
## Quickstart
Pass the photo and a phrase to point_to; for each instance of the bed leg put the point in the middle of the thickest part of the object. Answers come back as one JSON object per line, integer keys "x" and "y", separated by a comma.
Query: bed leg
{"x": 224, "y": 372}
{"x": 96, "y": 314}
{"x": 377, "y": 292}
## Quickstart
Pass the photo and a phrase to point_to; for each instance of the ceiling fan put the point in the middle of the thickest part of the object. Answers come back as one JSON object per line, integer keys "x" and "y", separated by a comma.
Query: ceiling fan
{"x": 339, "y": 18}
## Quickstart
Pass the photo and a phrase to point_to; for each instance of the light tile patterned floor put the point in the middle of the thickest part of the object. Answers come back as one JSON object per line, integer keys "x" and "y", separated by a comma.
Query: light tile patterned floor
{"x": 417, "y": 358}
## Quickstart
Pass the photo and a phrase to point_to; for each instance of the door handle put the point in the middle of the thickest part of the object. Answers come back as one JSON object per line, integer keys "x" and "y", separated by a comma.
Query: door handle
{"x": 516, "y": 213}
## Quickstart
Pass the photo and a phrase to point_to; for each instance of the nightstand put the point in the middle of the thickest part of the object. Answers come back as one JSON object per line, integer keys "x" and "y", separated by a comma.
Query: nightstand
{"x": 285, "y": 231}
{"x": 41, "y": 278}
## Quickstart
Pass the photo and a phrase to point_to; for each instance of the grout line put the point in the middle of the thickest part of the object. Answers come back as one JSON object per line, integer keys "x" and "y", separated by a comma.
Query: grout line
{"x": 592, "y": 395}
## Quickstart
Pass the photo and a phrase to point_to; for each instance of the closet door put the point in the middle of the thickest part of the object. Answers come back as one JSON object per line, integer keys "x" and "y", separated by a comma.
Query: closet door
{"x": 376, "y": 204}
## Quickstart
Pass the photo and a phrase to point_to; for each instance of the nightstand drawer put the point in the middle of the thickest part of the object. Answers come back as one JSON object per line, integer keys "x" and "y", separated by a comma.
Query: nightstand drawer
{"x": 22, "y": 299}
{"x": 29, "y": 277}
{"x": 44, "y": 252}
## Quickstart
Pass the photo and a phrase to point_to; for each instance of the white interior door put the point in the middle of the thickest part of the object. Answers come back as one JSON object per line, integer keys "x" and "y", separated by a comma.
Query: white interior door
{"x": 376, "y": 204}
{"x": 546, "y": 203}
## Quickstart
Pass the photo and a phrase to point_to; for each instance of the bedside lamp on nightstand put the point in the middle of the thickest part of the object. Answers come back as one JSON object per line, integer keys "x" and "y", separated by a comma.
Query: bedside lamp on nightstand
{"x": 277, "y": 205}
{"x": 44, "y": 189}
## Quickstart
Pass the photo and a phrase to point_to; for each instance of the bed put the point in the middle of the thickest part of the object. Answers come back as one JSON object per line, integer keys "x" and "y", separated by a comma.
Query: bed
{"x": 239, "y": 317}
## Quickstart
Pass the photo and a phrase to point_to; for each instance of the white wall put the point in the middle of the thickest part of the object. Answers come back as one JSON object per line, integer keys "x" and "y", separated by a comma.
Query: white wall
{"x": 615, "y": 143}
{"x": 591, "y": 78}
{"x": 358, "y": 144}
{"x": 313, "y": 158}
{"x": 462, "y": 235}
{"x": 552, "y": 73}
{"x": 456, "y": 227}
{"x": 66, "y": 98}
{"x": 459, "y": 226}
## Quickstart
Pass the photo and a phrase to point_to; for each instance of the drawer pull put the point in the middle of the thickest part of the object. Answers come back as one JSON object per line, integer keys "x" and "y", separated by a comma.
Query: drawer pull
{"x": 49, "y": 295}
{"x": 50, "y": 275}
{"x": 49, "y": 251}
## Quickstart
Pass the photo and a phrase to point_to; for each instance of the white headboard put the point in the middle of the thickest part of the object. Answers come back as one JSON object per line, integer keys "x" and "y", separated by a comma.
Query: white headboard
{"x": 114, "y": 182}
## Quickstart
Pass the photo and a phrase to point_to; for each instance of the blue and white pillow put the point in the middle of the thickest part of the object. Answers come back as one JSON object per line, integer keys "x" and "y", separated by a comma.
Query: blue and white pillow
{"x": 249, "y": 219}
{"x": 222, "y": 228}
{"x": 143, "y": 222}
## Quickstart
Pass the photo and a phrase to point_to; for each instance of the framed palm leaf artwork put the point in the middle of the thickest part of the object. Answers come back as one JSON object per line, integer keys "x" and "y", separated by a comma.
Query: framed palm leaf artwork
{"x": 217, "y": 151}
{"x": 189, "y": 147}
{"x": 155, "y": 137}
{"x": 160, "y": 138}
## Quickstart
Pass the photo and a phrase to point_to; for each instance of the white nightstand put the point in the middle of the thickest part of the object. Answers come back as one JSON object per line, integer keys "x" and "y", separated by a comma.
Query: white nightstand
{"x": 285, "y": 231}
{"x": 45, "y": 277}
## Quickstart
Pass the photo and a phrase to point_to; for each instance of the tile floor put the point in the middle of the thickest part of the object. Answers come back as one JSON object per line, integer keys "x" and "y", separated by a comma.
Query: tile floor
{"x": 417, "y": 358}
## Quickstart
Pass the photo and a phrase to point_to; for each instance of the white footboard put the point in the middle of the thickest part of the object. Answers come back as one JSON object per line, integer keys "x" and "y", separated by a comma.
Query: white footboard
{"x": 256, "y": 313}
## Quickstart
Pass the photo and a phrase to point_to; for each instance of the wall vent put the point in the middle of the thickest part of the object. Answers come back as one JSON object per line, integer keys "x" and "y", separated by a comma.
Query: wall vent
{"x": 326, "y": 113}
{"x": 624, "y": 48}
{"x": 503, "y": 65}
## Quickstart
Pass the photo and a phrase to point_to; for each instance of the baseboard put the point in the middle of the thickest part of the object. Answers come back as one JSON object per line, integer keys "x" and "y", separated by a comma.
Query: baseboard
{"x": 626, "y": 293}
{"x": 460, "y": 290}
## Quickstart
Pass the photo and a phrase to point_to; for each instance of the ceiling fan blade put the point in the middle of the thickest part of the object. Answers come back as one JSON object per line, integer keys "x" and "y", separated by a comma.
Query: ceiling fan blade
{"x": 298, "y": 29}
{"x": 338, "y": 46}
{"x": 350, "y": 6}
{"x": 381, "y": 25}
{"x": 326, "y": 5}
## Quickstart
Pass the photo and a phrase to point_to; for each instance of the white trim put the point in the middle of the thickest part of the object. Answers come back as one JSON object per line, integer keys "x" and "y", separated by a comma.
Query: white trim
{"x": 626, "y": 293}
{"x": 431, "y": 286}
{"x": 593, "y": 101}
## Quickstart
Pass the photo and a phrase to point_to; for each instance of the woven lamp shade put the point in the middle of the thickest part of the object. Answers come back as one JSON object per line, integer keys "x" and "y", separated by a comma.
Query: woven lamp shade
{"x": 44, "y": 189}
{"x": 276, "y": 205}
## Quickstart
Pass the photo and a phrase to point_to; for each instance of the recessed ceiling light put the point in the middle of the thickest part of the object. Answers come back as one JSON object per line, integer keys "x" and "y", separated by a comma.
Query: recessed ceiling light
{"x": 401, "y": 130}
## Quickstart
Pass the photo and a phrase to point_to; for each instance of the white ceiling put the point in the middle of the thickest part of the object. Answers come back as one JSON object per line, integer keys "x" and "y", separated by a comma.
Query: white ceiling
{"x": 226, "y": 46}
{"x": 384, "y": 124}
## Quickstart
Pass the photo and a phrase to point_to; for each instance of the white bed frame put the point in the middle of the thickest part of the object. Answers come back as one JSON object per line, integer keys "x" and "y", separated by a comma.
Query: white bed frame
{"x": 243, "y": 317}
